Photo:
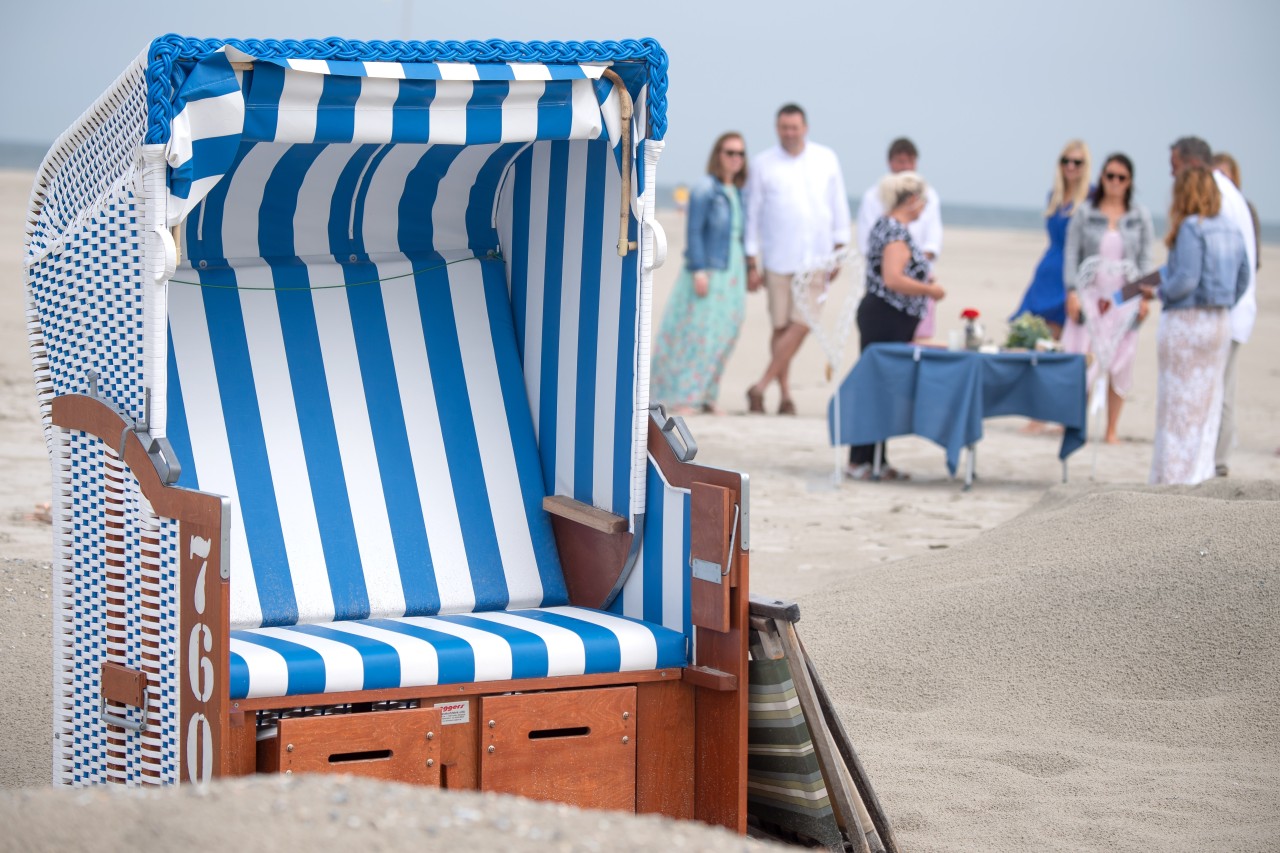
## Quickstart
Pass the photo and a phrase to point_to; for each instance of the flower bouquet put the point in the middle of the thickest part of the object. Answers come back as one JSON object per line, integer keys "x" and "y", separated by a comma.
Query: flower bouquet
{"x": 1026, "y": 331}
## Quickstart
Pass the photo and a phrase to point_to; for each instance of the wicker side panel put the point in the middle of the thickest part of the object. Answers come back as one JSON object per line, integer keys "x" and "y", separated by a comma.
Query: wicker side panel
{"x": 116, "y": 601}
{"x": 86, "y": 299}
{"x": 90, "y": 162}
{"x": 84, "y": 737}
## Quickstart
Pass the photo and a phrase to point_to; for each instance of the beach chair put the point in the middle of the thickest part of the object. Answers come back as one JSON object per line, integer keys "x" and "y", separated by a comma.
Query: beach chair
{"x": 342, "y": 353}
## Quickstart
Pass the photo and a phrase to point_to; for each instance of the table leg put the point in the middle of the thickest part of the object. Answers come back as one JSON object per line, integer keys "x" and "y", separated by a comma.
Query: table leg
{"x": 1064, "y": 470}
{"x": 877, "y": 461}
{"x": 970, "y": 467}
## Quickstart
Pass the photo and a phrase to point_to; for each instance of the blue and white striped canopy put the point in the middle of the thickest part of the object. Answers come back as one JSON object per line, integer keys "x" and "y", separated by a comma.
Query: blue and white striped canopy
{"x": 229, "y": 99}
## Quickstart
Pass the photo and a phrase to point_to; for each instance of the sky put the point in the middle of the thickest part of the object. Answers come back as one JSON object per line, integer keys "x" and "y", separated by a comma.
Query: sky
{"x": 988, "y": 89}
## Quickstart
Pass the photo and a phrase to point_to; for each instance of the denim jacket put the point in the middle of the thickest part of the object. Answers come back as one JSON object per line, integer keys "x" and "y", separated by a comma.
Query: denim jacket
{"x": 1084, "y": 239}
{"x": 1208, "y": 266}
{"x": 710, "y": 221}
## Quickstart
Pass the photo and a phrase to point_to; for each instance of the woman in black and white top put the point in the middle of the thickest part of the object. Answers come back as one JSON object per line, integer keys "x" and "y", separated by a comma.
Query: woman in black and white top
{"x": 898, "y": 285}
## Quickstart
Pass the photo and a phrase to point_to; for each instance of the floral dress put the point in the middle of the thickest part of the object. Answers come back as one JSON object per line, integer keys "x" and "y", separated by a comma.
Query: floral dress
{"x": 698, "y": 332}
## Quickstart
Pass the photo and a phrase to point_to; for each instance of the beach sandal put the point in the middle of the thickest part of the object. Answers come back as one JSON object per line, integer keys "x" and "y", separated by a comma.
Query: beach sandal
{"x": 891, "y": 473}
{"x": 787, "y": 407}
{"x": 858, "y": 472}
{"x": 755, "y": 401}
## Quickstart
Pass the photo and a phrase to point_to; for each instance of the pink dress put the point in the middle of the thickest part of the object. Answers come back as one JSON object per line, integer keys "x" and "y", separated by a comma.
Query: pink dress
{"x": 1109, "y": 330}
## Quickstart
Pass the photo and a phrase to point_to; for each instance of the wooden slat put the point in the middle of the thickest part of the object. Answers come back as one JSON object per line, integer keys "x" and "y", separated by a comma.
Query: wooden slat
{"x": 720, "y": 717}
{"x": 664, "y": 753}
{"x": 710, "y": 529}
{"x": 710, "y": 679}
{"x": 204, "y": 637}
{"x": 592, "y": 765}
{"x": 584, "y": 514}
{"x": 91, "y": 415}
{"x": 475, "y": 688}
{"x": 398, "y": 746}
{"x": 844, "y": 797}
{"x": 242, "y": 744}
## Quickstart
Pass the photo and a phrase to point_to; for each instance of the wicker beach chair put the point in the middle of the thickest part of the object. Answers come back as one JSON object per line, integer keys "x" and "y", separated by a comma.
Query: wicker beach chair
{"x": 342, "y": 350}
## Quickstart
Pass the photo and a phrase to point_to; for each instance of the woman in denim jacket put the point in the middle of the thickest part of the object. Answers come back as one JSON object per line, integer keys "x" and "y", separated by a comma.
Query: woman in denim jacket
{"x": 1113, "y": 233}
{"x": 1207, "y": 273}
{"x": 708, "y": 303}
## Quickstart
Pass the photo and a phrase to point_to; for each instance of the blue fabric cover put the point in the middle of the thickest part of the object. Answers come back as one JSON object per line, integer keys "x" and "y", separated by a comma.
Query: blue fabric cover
{"x": 376, "y": 654}
{"x": 901, "y": 389}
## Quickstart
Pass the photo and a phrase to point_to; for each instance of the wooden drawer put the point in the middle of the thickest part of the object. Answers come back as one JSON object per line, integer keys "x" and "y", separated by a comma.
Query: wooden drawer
{"x": 571, "y": 746}
{"x": 399, "y": 746}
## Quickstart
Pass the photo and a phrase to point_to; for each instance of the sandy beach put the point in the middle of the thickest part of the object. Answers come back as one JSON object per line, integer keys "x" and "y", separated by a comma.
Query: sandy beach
{"x": 1024, "y": 666}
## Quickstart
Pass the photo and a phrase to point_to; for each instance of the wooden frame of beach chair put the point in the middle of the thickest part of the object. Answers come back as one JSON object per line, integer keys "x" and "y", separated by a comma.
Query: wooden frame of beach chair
{"x": 160, "y": 674}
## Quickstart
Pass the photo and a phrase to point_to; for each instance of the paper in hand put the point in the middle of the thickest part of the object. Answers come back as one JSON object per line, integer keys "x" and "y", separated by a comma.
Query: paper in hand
{"x": 1134, "y": 288}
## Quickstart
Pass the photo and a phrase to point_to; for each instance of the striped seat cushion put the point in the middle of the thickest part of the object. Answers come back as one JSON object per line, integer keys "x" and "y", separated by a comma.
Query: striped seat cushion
{"x": 374, "y": 654}
{"x": 374, "y": 439}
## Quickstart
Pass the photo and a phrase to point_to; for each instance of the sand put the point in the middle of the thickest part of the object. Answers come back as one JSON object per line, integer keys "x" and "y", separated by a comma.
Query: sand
{"x": 1023, "y": 666}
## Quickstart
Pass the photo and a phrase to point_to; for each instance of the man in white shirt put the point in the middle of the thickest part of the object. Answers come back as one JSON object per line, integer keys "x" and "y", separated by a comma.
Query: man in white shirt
{"x": 1193, "y": 151}
{"x": 797, "y": 215}
{"x": 925, "y": 231}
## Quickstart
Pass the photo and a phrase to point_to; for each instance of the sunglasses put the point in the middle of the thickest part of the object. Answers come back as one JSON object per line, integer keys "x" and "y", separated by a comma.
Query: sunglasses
{"x": 1071, "y": 161}
{"x": 1115, "y": 176}
{"x": 731, "y": 153}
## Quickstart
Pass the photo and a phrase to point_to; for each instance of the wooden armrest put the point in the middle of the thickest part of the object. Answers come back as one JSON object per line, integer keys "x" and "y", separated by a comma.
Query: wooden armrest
{"x": 585, "y": 514}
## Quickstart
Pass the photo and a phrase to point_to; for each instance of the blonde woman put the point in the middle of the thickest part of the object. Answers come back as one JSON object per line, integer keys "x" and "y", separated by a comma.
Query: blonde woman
{"x": 1046, "y": 297}
{"x": 1207, "y": 273}
{"x": 900, "y": 284}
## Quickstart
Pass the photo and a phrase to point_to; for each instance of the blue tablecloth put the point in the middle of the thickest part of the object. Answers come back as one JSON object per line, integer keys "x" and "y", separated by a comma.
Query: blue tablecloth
{"x": 902, "y": 389}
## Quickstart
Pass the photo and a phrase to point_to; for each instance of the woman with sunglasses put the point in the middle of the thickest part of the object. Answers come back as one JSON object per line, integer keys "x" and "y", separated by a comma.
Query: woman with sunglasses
{"x": 1044, "y": 297}
{"x": 1116, "y": 230}
{"x": 707, "y": 305}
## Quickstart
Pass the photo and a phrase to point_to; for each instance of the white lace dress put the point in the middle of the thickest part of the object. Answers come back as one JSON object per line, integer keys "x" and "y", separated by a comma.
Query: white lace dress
{"x": 1192, "y": 346}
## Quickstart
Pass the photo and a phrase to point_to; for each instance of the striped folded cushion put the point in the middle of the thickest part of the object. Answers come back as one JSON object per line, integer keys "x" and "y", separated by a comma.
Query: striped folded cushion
{"x": 376, "y": 654}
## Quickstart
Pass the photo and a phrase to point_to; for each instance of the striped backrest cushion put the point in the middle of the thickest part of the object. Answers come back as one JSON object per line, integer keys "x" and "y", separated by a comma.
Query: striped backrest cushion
{"x": 375, "y": 438}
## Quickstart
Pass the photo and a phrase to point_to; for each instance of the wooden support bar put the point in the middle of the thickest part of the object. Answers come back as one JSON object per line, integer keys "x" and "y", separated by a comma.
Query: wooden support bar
{"x": 839, "y": 786}
{"x": 710, "y": 679}
{"x": 586, "y": 514}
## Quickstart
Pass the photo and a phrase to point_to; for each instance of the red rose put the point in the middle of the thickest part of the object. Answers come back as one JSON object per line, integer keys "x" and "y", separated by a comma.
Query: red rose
{"x": 969, "y": 314}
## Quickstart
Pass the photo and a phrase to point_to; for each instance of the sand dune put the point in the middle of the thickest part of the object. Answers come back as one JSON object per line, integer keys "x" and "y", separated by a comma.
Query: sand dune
{"x": 1100, "y": 673}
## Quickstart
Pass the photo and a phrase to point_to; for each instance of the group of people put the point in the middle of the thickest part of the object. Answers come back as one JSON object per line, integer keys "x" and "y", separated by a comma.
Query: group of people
{"x": 756, "y": 230}
{"x": 1099, "y": 238}
{"x": 788, "y": 215}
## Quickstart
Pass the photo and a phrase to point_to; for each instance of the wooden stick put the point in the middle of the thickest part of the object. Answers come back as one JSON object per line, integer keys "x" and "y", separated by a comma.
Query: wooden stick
{"x": 842, "y": 794}
{"x": 879, "y": 817}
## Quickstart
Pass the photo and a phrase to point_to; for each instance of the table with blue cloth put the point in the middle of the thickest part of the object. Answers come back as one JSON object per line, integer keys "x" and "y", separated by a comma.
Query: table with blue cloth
{"x": 943, "y": 395}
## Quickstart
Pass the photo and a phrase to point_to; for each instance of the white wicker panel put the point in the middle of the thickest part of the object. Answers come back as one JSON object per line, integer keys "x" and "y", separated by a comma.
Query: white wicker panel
{"x": 89, "y": 163}
{"x": 64, "y": 629}
{"x": 86, "y": 742}
{"x": 88, "y": 300}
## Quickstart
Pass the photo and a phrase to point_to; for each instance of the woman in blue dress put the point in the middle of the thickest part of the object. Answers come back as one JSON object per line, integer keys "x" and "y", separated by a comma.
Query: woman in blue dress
{"x": 1046, "y": 296}
{"x": 708, "y": 303}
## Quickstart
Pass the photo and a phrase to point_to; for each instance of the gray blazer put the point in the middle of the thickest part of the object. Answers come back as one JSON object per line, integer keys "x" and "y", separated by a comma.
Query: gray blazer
{"x": 1084, "y": 238}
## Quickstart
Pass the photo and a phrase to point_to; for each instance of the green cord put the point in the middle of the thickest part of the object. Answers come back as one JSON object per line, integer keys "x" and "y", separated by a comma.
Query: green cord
{"x": 490, "y": 256}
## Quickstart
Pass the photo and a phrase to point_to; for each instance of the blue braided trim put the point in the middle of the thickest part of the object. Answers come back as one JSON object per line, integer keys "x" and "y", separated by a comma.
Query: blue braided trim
{"x": 168, "y": 49}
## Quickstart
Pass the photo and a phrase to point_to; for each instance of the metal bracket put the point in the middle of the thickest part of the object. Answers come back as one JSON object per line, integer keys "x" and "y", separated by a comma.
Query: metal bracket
{"x": 668, "y": 423}
{"x": 124, "y": 722}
